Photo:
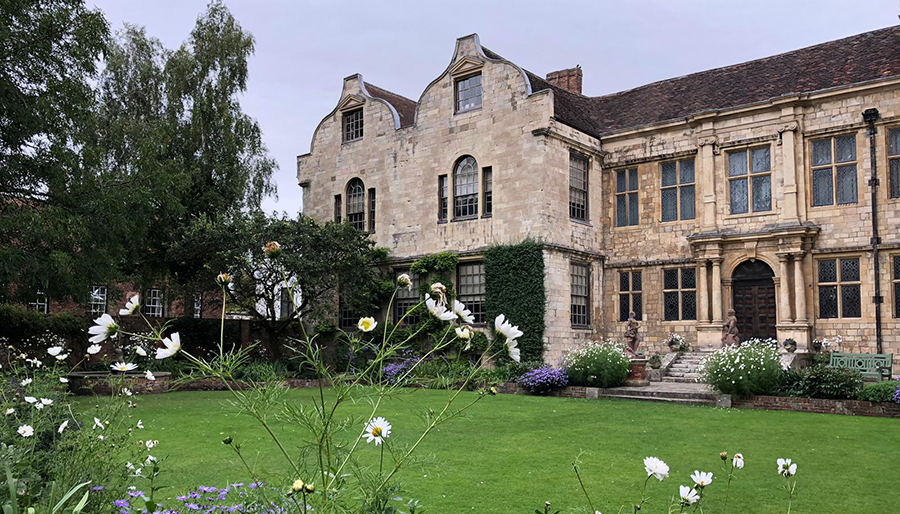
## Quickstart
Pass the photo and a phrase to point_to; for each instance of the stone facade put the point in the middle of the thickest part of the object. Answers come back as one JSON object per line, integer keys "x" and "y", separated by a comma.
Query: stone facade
{"x": 524, "y": 132}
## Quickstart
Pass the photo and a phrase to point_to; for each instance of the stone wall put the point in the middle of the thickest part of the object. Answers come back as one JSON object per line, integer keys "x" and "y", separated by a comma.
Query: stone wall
{"x": 819, "y": 405}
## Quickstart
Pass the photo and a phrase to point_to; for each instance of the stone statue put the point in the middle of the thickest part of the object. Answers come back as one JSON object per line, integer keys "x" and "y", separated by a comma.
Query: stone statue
{"x": 730, "y": 330}
{"x": 632, "y": 338}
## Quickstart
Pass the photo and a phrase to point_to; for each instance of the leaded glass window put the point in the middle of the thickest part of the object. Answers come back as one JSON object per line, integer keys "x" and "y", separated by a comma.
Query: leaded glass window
{"x": 465, "y": 189}
{"x": 896, "y": 281}
{"x": 834, "y": 173}
{"x": 580, "y": 304}
{"x": 372, "y": 210}
{"x": 468, "y": 93}
{"x": 488, "y": 180}
{"x": 337, "y": 208}
{"x": 677, "y": 190}
{"x": 40, "y": 303}
{"x": 894, "y": 161}
{"x": 153, "y": 303}
{"x": 839, "y": 288}
{"x": 750, "y": 180}
{"x": 353, "y": 125}
{"x": 443, "y": 192}
{"x": 680, "y": 294}
{"x": 347, "y": 319}
{"x": 97, "y": 300}
{"x": 356, "y": 204}
{"x": 406, "y": 300}
{"x": 578, "y": 186}
{"x": 470, "y": 287}
{"x": 630, "y": 294}
{"x": 627, "y": 197}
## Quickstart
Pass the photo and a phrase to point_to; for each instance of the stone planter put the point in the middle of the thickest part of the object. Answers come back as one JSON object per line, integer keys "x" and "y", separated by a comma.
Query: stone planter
{"x": 638, "y": 373}
{"x": 98, "y": 382}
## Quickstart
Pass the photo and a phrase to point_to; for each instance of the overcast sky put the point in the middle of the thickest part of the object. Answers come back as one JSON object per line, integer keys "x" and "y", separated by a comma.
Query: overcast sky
{"x": 304, "y": 49}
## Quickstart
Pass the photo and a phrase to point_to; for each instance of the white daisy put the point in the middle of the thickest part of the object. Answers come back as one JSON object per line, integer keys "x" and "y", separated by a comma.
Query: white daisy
{"x": 123, "y": 366}
{"x": 377, "y": 430}
{"x": 656, "y": 468}
{"x": 26, "y": 431}
{"x": 172, "y": 346}
{"x": 131, "y": 306}
{"x": 105, "y": 328}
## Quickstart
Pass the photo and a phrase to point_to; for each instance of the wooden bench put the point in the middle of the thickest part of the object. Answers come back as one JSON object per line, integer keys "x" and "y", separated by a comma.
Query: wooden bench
{"x": 871, "y": 365}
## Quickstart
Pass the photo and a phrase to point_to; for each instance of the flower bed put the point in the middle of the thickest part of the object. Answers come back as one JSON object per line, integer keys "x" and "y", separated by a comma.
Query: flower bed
{"x": 98, "y": 382}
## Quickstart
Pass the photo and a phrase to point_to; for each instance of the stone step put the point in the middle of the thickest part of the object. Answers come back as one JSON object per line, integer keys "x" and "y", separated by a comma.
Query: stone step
{"x": 682, "y": 374}
{"x": 681, "y": 365}
{"x": 681, "y": 380}
{"x": 649, "y": 392}
{"x": 679, "y": 401}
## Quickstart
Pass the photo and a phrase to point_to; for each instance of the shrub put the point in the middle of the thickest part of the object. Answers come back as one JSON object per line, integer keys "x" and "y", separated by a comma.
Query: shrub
{"x": 20, "y": 324}
{"x": 880, "y": 392}
{"x": 676, "y": 343}
{"x": 597, "y": 364}
{"x": 544, "y": 380}
{"x": 744, "y": 370}
{"x": 263, "y": 371}
{"x": 514, "y": 286}
{"x": 828, "y": 382}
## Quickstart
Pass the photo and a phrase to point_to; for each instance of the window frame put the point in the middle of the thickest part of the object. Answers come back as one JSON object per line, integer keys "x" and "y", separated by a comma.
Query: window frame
{"x": 153, "y": 302}
{"x": 40, "y": 304}
{"x": 346, "y": 318}
{"x": 630, "y": 293}
{"x": 839, "y": 284}
{"x": 406, "y": 299}
{"x": 749, "y": 177}
{"x": 681, "y": 291}
{"x": 627, "y": 195}
{"x": 586, "y": 190}
{"x": 285, "y": 303}
{"x": 350, "y": 117}
{"x": 678, "y": 186}
{"x": 370, "y": 201}
{"x": 472, "y": 180}
{"x": 91, "y": 307}
{"x": 893, "y": 185}
{"x": 456, "y": 92}
{"x": 586, "y": 316}
{"x": 479, "y": 314}
{"x": 443, "y": 198}
{"x": 833, "y": 166}
{"x": 895, "y": 282}
{"x": 338, "y": 209}
{"x": 356, "y": 200}
{"x": 487, "y": 192}
{"x": 198, "y": 306}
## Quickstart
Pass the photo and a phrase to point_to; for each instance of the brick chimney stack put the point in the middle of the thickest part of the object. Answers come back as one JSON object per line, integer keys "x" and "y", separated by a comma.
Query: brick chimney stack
{"x": 569, "y": 79}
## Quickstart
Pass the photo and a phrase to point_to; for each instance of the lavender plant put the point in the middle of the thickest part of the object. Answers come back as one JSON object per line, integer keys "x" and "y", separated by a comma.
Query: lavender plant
{"x": 544, "y": 379}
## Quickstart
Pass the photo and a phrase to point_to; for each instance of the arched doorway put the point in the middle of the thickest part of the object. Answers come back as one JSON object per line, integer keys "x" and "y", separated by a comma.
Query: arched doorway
{"x": 753, "y": 298}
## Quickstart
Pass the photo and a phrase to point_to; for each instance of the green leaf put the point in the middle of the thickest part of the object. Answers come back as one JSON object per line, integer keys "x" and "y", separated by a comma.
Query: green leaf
{"x": 13, "y": 497}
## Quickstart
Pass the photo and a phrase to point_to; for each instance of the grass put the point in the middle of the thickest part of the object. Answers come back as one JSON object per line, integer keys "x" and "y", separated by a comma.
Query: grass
{"x": 513, "y": 453}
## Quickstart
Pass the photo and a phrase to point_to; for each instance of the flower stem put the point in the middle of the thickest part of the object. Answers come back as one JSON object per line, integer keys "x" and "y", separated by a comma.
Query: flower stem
{"x": 578, "y": 475}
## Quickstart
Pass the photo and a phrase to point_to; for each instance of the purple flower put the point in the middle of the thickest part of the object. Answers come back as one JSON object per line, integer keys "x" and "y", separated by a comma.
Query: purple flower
{"x": 122, "y": 504}
{"x": 135, "y": 494}
{"x": 544, "y": 379}
{"x": 97, "y": 488}
{"x": 897, "y": 395}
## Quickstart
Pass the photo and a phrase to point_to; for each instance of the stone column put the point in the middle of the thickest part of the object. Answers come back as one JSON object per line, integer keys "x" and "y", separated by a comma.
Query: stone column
{"x": 703, "y": 292}
{"x": 784, "y": 296}
{"x": 707, "y": 177}
{"x": 717, "y": 291}
{"x": 799, "y": 289}
{"x": 788, "y": 149}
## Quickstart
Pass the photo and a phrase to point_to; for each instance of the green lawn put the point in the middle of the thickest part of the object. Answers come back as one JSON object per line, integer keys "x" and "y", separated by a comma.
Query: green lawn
{"x": 512, "y": 453}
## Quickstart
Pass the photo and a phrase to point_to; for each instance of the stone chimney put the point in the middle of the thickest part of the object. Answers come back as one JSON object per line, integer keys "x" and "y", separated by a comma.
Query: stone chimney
{"x": 569, "y": 79}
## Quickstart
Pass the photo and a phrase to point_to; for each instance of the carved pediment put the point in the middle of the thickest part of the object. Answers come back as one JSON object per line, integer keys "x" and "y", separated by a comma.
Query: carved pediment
{"x": 351, "y": 102}
{"x": 466, "y": 65}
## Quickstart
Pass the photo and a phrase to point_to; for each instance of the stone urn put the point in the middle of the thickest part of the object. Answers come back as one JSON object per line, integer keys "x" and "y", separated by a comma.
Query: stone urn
{"x": 790, "y": 345}
{"x": 638, "y": 374}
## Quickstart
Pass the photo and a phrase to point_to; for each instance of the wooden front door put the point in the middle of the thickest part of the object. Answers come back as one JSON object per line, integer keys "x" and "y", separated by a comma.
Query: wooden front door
{"x": 754, "y": 308}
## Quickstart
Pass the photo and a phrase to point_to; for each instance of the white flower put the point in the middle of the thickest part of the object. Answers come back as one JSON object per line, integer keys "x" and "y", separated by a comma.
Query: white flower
{"x": 98, "y": 424}
{"x": 786, "y": 468}
{"x": 656, "y": 468}
{"x": 149, "y": 375}
{"x": 738, "y": 461}
{"x": 512, "y": 348}
{"x": 55, "y": 350}
{"x": 126, "y": 391}
{"x": 94, "y": 349}
{"x": 439, "y": 311}
{"x": 34, "y": 362}
{"x": 38, "y": 406}
{"x": 172, "y": 346}
{"x": 25, "y": 431}
{"x": 105, "y": 327}
{"x": 25, "y": 382}
{"x": 151, "y": 444}
{"x": 123, "y": 366}
{"x": 463, "y": 333}
{"x": 504, "y": 327}
{"x": 140, "y": 351}
{"x": 10, "y": 411}
{"x": 46, "y": 401}
{"x": 150, "y": 460}
{"x": 62, "y": 357}
{"x": 64, "y": 380}
{"x": 31, "y": 399}
{"x": 129, "y": 465}
{"x": 688, "y": 495}
{"x": 702, "y": 478}
{"x": 100, "y": 437}
{"x": 131, "y": 306}
{"x": 464, "y": 314}
{"x": 440, "y": 291}
{"x": 377, "y": 430}
{"x": 367, "y": 324}
{"x": 62, "y": 426}
{"x": 140, "y": 424}
{"x": 404, "y": 281}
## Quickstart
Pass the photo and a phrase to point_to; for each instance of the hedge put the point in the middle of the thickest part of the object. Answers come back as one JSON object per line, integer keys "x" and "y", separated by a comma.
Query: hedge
{"x": 514, "y": 286}
{"x": 19, "y": 324}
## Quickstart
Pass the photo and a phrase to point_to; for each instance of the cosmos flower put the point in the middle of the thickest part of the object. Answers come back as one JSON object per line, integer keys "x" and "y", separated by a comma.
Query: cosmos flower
{"x": 404, "y": 281}
{"x": 656, "y": 468}
{"x": 702, "y": 478}
{"x": 62, "y": 426}
{"x": 172, "y": 346}
{"x": 149, "y": 375}
{"x": 688, "y": 495}
{"x": 55, "y": 350}
{"x": 438, "y": 310}
{"x": 94, "y": 349}
{"x": 26, "y": 431}
{"x": 132, "y": 306}
{"x": 738, "y": 461}
{"x": 464, "y": 314}
{"x": 104, "y": 328}
{"x": 123, "y": 366}
{"x": 786, "y": 468}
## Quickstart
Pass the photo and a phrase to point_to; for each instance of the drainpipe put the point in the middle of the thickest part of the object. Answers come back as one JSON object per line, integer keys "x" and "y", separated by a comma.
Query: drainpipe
{"x": 870, "y": 116}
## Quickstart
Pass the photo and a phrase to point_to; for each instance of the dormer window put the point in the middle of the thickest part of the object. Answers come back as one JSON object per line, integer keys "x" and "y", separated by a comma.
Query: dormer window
{"x": 468, "y": 93}
{"x": 353, "y": 125}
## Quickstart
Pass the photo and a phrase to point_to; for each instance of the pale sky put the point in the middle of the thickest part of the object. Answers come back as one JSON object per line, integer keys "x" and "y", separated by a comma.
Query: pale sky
{"x": 304, "y": 49}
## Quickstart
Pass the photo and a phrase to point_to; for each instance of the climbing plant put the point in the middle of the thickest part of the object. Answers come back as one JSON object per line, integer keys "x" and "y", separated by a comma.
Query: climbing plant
{"x": 514, "y": 286}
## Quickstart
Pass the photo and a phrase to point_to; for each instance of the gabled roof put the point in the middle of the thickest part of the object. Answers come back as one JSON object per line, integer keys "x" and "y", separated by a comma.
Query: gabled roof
{"x": 405, "y": 107}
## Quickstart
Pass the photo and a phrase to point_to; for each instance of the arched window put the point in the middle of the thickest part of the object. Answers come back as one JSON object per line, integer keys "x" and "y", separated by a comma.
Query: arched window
{"x": 356, "y": 204}
{"x": 465, "y": 188}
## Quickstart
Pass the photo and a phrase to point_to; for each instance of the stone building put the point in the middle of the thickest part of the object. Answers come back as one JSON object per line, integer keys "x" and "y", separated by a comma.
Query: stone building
{"x": 753, "y": 187}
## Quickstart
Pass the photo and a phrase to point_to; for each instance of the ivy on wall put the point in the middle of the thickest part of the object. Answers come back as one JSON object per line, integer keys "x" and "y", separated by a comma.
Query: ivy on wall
{"x": 514, "y": 286}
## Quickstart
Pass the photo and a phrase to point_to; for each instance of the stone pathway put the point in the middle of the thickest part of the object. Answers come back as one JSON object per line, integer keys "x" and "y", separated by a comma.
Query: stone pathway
{"x": 684, "y": 393}
{"x": 685, "y": 368}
